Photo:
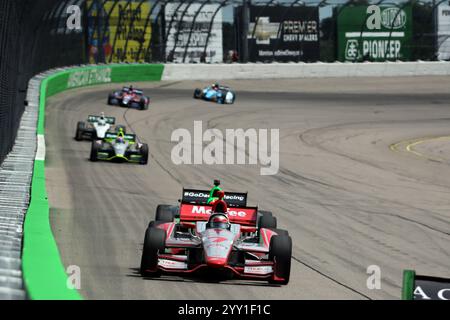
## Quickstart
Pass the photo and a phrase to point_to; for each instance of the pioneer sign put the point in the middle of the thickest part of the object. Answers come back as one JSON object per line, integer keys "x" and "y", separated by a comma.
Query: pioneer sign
{"x": 374, "y": 33}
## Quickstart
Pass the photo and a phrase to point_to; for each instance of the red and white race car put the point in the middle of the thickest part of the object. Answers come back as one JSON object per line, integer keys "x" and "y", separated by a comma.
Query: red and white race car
{"x": 129, "y": 97}
{"x": 239, "y": 241}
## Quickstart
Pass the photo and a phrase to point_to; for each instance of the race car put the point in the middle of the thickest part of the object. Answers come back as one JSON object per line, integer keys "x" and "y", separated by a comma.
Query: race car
{"x": 129, "y": 97}
{"x": 216, "y": 93}
{"x": 96, "y": 127}
{"x": 234, "y": 241}
{"x": 119, "y": 147}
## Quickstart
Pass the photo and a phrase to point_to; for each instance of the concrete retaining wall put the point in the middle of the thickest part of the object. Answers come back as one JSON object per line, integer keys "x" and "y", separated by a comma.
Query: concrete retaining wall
{"x": 302, "y": 70}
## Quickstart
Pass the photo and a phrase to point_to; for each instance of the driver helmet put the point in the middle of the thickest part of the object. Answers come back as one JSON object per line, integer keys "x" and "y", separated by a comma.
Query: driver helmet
{"x": 120, "y": 136}
{"x": 220, "y": 194}
{"x": 102, "y": 119}
{"x": 131, "y": 88}
{"x": 219, "y": 221}
{"x": 215, "y": 86}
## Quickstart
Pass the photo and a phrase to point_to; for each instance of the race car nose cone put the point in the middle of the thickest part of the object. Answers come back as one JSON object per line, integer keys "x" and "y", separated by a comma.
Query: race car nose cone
{"x": 216, "y": 262}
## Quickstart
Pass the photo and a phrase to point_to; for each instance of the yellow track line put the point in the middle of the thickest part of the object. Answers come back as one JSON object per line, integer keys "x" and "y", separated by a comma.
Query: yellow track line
{"x": 410, "y": 144}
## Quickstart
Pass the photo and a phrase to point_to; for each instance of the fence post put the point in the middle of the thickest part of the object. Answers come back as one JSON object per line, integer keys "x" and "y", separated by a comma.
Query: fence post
{"x": 244, "y": 34}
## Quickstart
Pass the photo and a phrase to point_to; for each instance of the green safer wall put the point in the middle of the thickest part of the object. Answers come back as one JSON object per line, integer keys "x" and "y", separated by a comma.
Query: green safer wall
{"x": 43, "y": 272}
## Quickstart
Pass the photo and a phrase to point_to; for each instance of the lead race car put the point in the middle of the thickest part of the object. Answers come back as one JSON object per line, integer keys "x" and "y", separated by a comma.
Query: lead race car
{"x": 96, "y": 127}
{"x": 119, "y": 147}
{"x": 216, "y": 93}
{"x": 227, "y": 237}
{"x": 129, "y": 97}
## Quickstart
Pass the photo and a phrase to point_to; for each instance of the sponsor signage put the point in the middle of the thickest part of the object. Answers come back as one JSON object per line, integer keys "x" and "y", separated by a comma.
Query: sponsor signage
{"x": 120, "y": 28}
{"x": 420, "y": 287}
{"x": 172, "y": 264}
{"x": 192, "y": 212}
{"x": 194, "y": 26}
{"x": 89, "y": 77}
{"x": 201, "y": 196}
{"x": 283, "y": 33}
{"x": 443, "y": 32}
{"x": 431, "y": 288}
{"x": 374, "y": 33}
{"x": 260, "y": 270}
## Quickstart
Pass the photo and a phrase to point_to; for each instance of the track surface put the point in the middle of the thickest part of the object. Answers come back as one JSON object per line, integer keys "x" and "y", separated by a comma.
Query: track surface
{"x": 346, "y": 197}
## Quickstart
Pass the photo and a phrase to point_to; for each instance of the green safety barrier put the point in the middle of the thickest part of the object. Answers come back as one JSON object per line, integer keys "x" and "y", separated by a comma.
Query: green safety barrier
{"x": 408, "y": 284}
{"x": 43, "y": 271}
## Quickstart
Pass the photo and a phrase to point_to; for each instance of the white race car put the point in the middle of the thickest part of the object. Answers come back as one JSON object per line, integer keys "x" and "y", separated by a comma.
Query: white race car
{"x": 96, "y": 127}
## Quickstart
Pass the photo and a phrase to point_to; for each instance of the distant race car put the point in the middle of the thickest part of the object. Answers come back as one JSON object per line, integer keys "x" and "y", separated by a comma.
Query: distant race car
{"x": 238, "y": 241}
{"x": 216, "y": 93}
{"x": 119, "y": 147}
{"x": 96, "y": 127}
{"x": 129, "y": 97}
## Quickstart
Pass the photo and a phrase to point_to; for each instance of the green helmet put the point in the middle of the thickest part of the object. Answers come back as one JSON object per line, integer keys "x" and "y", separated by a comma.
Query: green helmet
{"x": 120, "y": 133}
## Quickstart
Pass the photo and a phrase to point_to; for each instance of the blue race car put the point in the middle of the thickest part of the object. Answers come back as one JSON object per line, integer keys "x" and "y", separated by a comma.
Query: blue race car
{"x": 216, "y": 93}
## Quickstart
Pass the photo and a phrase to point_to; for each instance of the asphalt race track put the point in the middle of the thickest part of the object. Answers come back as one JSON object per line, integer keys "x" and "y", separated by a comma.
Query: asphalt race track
{"x": 349, "y": 188}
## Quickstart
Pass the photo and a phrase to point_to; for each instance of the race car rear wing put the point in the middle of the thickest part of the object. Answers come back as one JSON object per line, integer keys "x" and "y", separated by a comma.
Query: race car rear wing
{"x": 199, "y": 212}
{"x": 137, "y": 91}
{"x": 128, "y": 136}
{"x": 233, "y": 199}
{"x": 110, "y": 120}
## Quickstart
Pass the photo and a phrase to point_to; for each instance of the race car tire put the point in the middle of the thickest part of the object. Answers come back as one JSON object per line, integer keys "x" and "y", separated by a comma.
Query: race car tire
{"x": 280, "y": 232}
{"x": 154, "y": 241}
{"x": 142, "y": 104}
{"x": 80, "y": 128}
{"x": 197, "y": 93}
{"x": 280, "y": 252}
{"x": 267, "y": 221}
{"x": 112, "y": 100}
{"x": 94, "y": 150}
{"x": 164, "y": 213}
{"x": 144, "y": 154}
{"x": 154, "y": 224}
{"x": 264, "y": 212}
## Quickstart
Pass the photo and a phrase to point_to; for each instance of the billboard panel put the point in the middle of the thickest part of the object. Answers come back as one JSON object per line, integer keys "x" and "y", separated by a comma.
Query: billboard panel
{"x": 120, "y": 29}
{"x": 422, "y": 287}
{"x": 374, "y": 33}
{"x": 283, "y": 33}
{"x": 443, "y": 32}
{"x": 188, "y": 26}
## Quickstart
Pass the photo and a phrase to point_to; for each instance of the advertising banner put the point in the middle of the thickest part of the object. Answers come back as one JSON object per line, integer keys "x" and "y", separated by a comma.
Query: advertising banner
{"x": 431, "y": 288}
{"x": 283, "y": 33}
{"x": 190, "y": 27}
{"x": 120, "y": 28}
{"x": 443, "y": 32}
{"x": 422, "y": 287}
{"x": 374, "y": 33}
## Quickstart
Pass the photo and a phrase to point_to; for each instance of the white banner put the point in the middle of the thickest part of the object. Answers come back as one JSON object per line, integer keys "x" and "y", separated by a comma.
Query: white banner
{"x": 195, "y": 40}
{"x": 443, "y": 32}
